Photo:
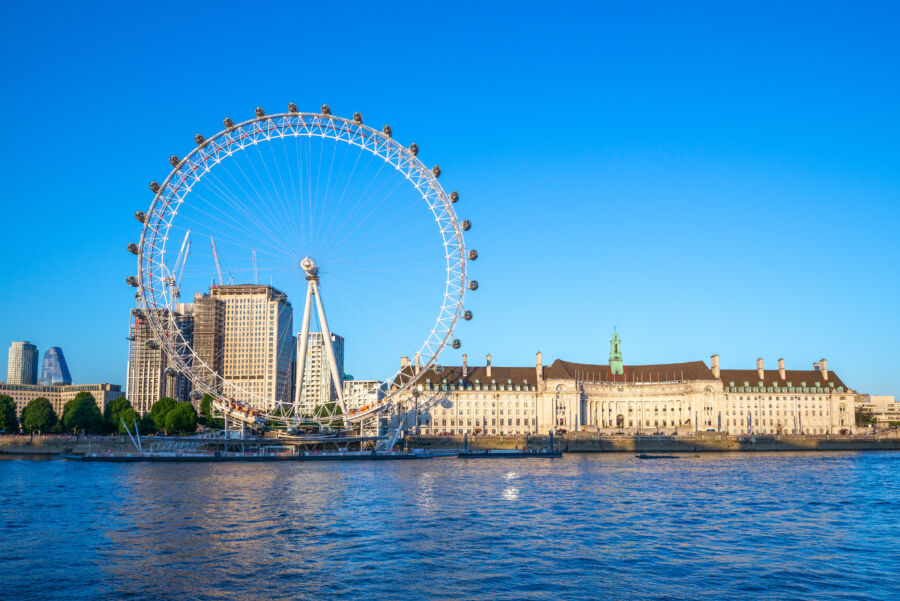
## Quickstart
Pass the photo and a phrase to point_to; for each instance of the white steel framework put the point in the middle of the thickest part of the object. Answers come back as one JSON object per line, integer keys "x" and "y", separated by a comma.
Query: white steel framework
{"x": 153, "y": 273}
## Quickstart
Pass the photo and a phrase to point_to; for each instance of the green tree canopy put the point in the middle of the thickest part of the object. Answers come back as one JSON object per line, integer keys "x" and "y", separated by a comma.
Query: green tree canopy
{"x": 8, "y": 421}
{"x": 182, "y": 418}
{"x": 81, "y": 413}
{"x": 864, "y": 417}
{"x": 206, "y": 409}
{"x": 113, "y": 411}
{"x": 38, "y": 416}
{"x": 160, "y": 409}
{"x": 129, "y": 416}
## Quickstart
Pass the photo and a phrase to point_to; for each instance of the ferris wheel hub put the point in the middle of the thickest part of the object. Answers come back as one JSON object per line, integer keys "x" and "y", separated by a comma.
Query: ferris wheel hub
{"x": 310, "y": 267}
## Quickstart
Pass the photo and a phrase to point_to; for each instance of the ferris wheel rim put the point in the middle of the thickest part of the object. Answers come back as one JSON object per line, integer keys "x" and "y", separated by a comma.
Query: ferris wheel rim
{"x": 297, "y": 124}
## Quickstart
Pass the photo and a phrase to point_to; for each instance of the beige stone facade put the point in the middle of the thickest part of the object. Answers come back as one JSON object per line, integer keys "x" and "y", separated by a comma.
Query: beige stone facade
{"x": 60, "y": 395}
{"x": 632, "y": 399}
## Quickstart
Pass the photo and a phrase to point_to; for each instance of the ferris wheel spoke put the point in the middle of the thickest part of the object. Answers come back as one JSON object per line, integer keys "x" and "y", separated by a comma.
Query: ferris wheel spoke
{"x": 244, "y": 210}
{"x": 269, "y": 208}
{"x": 261, "y": 201}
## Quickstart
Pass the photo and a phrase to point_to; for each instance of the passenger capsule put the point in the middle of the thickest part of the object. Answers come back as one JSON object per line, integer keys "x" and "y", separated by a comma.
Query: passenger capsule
{"x": 139, "y": 313}
{"x": 466, "y": 225}
{"x": 454, "y": 196}
{"x": 228, "y": 122}
{"x": 473, "y": 254}
{"x": 386, "y": 130}
{"x": 131, "y": 281}
{"x": 292, "y": 108}
{"x": 414, "y": 149}
{"x": 436, "y": 170}
{"x": 173, "y": 160}
{"x": 326, "y": 110}
{"x": 154, "y": 187}
{"x": 132, "y": 248}
{"x": 141, "y": 216}
{"x": 473, "y": 285}
{"x": 259, "y": 112}
{"x": 199, "y": 139}
{"x": 456, "y": 343}
{"x": 196, "y": 394}
{"x": 438, "y": 368}
{"x": 171, "y": 371}
{"x": 467, "y": 315}
{"x": 152, "y": 344}
{"x": 357, "y": 118}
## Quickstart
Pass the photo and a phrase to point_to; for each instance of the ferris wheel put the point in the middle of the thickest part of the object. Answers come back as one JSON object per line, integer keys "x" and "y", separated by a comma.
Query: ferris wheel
{"x": 293, "y": 206}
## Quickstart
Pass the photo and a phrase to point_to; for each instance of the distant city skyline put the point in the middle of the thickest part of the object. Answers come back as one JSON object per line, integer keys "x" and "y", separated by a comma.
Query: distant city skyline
{"x": 667, "y": 170}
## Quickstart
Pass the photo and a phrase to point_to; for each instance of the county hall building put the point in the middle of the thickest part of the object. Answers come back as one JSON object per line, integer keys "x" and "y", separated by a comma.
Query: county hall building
{"x": 671, "y": 398}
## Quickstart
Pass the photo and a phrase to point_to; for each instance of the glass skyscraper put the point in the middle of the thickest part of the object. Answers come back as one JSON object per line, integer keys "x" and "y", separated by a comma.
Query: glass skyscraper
{"x": 54, "y": 369}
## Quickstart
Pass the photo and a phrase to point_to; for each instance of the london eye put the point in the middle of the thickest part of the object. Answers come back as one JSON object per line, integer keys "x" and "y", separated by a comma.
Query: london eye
{"x": 313, "y": 211}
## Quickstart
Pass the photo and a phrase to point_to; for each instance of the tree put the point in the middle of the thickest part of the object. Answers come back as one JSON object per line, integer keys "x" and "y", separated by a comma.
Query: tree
{"x": 112, "y": 413}
{"x": 182, "y": 418}
{"x": 8, "y": 421}
{"x": 160, "y": 409}
{"x": 38, "y": 416}
{"x": 864, "y": 417}
{"x": 129, "y": 416}
{"x": 81, "y": 413}
{"x": 206, "y": 409}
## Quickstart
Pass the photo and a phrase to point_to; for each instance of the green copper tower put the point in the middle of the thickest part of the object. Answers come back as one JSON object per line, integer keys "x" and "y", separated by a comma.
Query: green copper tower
{"x": 615, "y": 355}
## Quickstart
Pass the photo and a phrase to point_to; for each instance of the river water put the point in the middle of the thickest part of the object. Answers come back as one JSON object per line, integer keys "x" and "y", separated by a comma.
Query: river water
{"x": 735, "y": 526}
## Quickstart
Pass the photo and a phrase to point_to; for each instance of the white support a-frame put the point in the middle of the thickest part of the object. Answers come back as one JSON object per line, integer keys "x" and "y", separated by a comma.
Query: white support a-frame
{"x": 312, "y": 289}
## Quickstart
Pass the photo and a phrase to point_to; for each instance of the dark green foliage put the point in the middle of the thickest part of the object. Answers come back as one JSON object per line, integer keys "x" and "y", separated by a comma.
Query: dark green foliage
{"x": 112, "y": 413}
{"x": 38, "y": 416}
{"x": 146, "y": 424}
{"x": 159, "y": 410}
{"x": 182, "y": 418}
{"x": 82, "y": 415}
{"x": 129, "y": 416}
{"x": 206, "y": 409}
{"x": 8, "y": 421}
{"x": 864, "y": 418}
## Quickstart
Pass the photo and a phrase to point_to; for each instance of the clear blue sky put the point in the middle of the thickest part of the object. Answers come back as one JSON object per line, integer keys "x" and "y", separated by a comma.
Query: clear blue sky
{"x": 709, "y": 179}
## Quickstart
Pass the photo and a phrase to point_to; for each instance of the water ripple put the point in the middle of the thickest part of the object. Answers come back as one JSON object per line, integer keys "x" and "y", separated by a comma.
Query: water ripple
{"x": 779, "y": 526}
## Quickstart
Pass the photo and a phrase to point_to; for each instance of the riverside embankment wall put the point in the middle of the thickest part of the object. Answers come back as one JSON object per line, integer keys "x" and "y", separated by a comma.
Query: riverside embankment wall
{"x": 585, "y": 442}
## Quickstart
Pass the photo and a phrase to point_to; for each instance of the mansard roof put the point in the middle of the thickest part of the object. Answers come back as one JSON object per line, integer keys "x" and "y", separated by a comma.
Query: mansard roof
{"x": 773, "y": 378}
{"x": 499, "y": 374}
{"x": 664, "y": 372}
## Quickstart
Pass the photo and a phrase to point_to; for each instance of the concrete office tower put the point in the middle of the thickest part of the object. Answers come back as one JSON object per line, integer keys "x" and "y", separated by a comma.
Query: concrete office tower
{"x": 54, "y": 370}
{"x": 258, "y": 344}
{"x": 209, "y": 336}
{"x": 318, "y": 387}
{"x": 151, "y": 373}
{"x": 23, "y": 363}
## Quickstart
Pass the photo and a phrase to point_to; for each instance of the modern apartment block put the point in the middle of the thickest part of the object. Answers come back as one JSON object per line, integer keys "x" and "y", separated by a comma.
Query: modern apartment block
{"x": 23, "y": 364}
{"x": 151, "y": 373}
{"x": 258, "y": 344}
{"x": 318, "y": 387}
{"x": 209, "y": 336}
{"x": 54, "y": 370}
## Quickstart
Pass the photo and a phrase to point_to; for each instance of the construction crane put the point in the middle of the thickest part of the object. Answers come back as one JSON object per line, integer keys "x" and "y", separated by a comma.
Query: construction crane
{"x": 174, "y": 278}
{"x": 212, "y": 243}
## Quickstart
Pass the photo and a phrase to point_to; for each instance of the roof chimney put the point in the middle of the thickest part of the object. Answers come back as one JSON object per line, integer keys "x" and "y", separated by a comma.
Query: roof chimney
{"x": 404, "y": 362}
{"x": 824, "y": 364}
{"x": 488, "y": 371}
{"x": 465, "y": 366}
{"x": 539, "y": 366}
{"x": 714, "y": 365}
{"x": 760, "y": 369}
{"x": 781, "y": 373}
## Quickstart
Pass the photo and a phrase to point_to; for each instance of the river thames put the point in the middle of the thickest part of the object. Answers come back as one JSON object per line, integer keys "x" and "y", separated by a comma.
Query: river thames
{"x": 738, "y": 526}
